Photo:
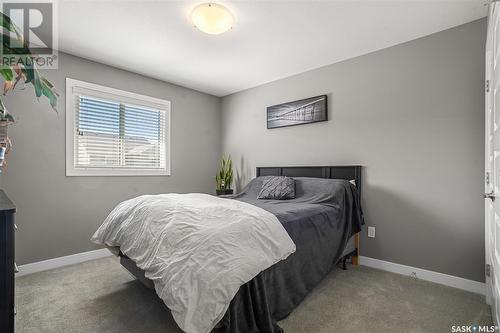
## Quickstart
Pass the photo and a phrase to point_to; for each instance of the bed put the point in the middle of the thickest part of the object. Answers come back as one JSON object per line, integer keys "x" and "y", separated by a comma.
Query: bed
{"x": 324, "y": 228}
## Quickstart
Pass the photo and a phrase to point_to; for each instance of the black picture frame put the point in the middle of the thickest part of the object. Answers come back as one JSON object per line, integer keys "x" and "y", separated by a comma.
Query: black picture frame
{"x": 298, "y": 112}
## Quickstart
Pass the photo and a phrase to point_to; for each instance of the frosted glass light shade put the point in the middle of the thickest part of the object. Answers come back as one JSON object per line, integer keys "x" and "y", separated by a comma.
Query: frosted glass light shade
{"x": 212, "y": 18}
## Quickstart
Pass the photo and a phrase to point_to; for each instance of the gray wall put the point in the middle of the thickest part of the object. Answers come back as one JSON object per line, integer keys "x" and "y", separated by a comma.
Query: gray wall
{"x": 57, "y": 214}
{"x": 412, "y": 115}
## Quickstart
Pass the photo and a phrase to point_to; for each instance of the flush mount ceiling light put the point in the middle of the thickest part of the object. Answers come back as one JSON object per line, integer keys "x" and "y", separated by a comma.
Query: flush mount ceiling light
{"x": 212, "y": 18}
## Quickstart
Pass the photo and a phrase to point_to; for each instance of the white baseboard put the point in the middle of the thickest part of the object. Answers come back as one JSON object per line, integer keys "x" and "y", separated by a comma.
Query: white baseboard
{"x": 62, "y": 261}
{"x": 423, "y": 274}
{"x": 445, "y": 279}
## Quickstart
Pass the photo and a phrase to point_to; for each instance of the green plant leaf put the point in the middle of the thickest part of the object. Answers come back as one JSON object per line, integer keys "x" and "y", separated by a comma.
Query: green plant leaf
{"x": 224, "y": 177}
{"x": 22, "y": 66}
{"x": 8, "y": 117}
{"x": 49, "y": 92}
{"x": 21, "y": 50}
{"x": 4, "y": 115}
{"x": 7, "y": 73}
{"x": 6, "y": 23}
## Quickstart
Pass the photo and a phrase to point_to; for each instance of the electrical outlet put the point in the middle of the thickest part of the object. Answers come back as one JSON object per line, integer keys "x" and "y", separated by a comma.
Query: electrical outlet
{"x": 371, "y": 232}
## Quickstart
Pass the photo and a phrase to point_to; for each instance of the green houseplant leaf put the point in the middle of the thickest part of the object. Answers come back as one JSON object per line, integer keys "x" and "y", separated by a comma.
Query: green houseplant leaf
{"x": 224, "y": 177}
{"x": 22, "y": 69}
{"x": 6, "y": 23}
{"x": 7, "y": 73}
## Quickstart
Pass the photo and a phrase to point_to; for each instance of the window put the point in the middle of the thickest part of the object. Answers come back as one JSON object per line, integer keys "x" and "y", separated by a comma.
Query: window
{"x": 111, "y": 132}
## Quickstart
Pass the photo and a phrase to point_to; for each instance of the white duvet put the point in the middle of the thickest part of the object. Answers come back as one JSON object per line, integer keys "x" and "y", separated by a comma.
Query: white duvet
{"x": 198, "y": 249}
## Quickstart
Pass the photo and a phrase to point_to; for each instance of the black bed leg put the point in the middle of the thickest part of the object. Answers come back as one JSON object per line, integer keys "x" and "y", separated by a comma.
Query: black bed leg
{"x": 344, "y": 264}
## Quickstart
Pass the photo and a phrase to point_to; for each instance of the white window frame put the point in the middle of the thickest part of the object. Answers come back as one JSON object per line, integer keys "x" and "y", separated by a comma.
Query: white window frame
{"x": 122, "y": 96}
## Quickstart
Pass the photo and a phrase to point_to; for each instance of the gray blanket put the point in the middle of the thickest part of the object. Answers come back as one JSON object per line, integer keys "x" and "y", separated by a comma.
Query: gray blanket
{"x": 320, "y": 221}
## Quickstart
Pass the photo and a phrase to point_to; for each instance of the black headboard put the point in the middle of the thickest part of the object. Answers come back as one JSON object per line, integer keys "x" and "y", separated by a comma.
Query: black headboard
{"x": 348, "y": 172}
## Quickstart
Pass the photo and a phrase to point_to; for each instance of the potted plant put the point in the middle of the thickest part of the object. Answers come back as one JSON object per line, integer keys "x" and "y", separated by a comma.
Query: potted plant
{"x": 22, "y": 69}
{"x": 224, "y": 178}
{"x": 5, "y": 120}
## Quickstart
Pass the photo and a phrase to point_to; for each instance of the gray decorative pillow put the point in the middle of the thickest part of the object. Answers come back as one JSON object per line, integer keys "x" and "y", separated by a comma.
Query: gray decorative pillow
{"x": 277, "y": 188}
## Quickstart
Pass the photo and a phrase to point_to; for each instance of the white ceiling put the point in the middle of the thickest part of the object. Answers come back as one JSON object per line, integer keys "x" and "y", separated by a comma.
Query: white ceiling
{"x": 270, "y": 40}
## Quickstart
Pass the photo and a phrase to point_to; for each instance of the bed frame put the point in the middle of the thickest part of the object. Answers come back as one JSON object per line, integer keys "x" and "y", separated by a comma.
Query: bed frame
{"x": 347, "y": 172}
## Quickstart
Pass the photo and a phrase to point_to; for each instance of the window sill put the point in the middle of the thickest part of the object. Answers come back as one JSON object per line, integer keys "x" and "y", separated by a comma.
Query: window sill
{"x": 115, "y": 173}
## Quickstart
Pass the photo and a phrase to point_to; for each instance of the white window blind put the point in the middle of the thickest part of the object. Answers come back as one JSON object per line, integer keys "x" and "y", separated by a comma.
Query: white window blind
{"x": 117, "y": 133}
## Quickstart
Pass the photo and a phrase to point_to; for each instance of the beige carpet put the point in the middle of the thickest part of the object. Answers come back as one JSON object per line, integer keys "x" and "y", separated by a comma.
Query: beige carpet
{"x": 100, "y": 296}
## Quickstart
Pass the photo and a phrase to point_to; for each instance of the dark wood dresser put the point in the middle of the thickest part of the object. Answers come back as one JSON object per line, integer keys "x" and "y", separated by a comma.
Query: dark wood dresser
{"x": 7, "y": 265}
